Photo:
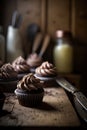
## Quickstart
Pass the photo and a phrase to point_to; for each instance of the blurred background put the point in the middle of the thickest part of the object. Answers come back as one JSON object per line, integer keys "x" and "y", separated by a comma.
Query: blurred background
{"x": 47, "y": 16}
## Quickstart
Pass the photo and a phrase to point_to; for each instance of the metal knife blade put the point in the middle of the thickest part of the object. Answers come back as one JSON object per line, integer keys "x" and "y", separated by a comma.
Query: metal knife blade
{"x": 69, "y": 87}
{"x": 81, "y": 99}
{"x": 80, "y": 110}
{"x": 66, "y": 85}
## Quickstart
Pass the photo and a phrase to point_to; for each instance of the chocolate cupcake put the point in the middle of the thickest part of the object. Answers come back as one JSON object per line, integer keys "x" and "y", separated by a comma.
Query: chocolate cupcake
{"x": 34, "y": 61}
{"x": 29, "y": 91}
{"x": 8, "y": 78}
{"x": 20, "y": 66}
{"x": 46, "y": 72}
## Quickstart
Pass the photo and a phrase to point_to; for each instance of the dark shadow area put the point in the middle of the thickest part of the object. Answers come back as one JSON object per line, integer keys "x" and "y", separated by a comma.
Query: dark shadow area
{"x": 44, "y": 128}
{"x": 46, "y": 106}
{"x": 4, "y": 113}
{"x": 42, "y": 106}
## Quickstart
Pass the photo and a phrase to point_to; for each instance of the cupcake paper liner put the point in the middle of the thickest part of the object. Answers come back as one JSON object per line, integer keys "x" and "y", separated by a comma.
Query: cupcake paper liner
{"x": 9, "y": 86}
{"x": 27, "y": 99}
{"x": 48, "y": 81}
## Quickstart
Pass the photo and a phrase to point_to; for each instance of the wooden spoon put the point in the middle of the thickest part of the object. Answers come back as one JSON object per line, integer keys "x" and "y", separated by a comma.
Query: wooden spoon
{"x": 45, "y": 44}
{"x": 37, "y": 42}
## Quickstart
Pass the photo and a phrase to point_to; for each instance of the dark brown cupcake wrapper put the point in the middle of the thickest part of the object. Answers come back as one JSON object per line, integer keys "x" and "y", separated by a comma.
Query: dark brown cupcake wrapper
{"x": 29, "y": 99}
{"x": 8, "y": 79}
{"x": 9, "y": 86}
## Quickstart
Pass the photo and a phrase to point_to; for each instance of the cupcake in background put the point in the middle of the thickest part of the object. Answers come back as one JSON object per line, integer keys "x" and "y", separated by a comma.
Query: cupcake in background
{"x": 29, "y": 91}
{"x": 8, "y": 78}
{"x": 21, "y": 67}
{"x": 34, "y": 60}
{"x": 46, "y": 72}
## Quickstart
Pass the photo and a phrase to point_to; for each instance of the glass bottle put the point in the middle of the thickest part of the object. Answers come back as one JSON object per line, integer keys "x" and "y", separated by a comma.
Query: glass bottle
{"x": 14, "y": 44}
{"x": 63, "y": 52}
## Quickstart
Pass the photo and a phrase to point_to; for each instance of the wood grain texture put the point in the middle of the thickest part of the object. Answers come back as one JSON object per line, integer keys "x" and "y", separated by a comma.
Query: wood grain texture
{"x": 58, "y": 15}
{"x": 43, "y": 15}
{"x": 55, "y": 110}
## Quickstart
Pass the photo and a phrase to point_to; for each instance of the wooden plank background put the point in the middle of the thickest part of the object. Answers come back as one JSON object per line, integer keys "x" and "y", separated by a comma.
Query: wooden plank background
{"x": 58, "y": 15}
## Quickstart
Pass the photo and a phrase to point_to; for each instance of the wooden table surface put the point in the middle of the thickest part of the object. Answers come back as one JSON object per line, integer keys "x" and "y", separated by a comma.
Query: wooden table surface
{"x": 56, "y": 110}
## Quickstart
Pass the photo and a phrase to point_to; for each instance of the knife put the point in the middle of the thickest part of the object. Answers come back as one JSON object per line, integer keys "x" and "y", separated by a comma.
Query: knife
{"x": 80, "y": 110}
{"x": 79, "y": 97}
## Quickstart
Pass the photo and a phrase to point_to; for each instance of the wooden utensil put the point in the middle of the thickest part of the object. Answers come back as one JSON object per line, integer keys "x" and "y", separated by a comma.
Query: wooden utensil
{"x": 37, "y": 42}
{"x": 45, "y": 45}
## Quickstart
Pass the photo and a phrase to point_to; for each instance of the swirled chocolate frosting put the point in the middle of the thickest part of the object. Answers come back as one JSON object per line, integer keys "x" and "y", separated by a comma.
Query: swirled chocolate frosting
{"x": 30, "y": 83}
{"x": 20, "y": 65}
{"x": 7, "y": 72}
{"x": 46, "y": 69}
{"x": 34, "y": 60}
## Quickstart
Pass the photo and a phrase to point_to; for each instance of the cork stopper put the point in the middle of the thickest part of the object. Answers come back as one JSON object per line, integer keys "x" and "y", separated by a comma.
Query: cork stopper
{"x": 59, "y": 33}
{"x": 63, "y": 33}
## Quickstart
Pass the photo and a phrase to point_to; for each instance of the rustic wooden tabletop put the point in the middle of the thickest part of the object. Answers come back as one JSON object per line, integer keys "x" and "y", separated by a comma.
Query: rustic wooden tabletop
{"x": 56, "y": 110}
